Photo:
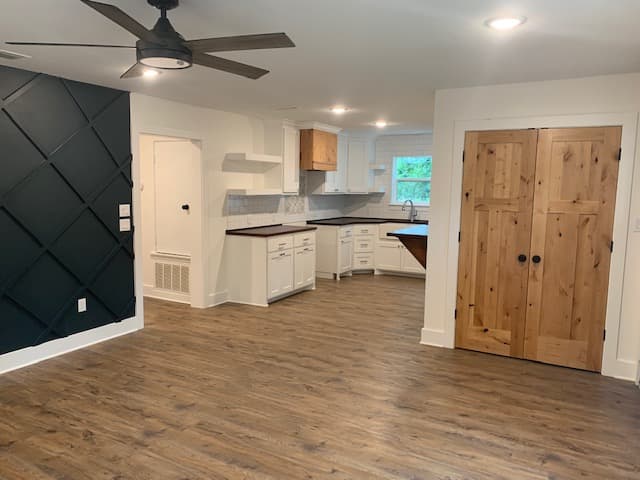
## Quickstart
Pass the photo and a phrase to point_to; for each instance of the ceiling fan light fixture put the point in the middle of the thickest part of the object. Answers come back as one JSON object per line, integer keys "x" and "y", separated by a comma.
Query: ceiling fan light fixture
{"x": 165, "y": 59}
{"x": 381, "y": 124}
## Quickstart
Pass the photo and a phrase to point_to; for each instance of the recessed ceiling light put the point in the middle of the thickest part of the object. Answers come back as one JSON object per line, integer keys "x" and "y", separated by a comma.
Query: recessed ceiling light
{"x": 339, "y": 109}
{"x": 381, "y": 124}
{"x": 149, "y": 73}
{"x": 505, "y": 23}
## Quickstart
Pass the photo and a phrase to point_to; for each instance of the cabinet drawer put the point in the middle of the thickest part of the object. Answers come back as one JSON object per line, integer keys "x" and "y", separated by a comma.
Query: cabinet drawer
{"x": 363, "y": 261}
{"x": 363, "y": 244}
{"x": 346, "y": 232}
{"x": 364, "y": 230}
{"x": 303, "y": 250}
{"x": 276, "y": 244}
{"x": 303, "y": 239}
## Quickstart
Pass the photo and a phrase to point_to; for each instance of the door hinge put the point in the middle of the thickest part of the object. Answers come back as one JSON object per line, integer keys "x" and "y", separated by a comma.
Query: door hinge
{"x": 463, "y": 155}
{"x": 459, "y": 236}
{"x": 455, "y": 314}
{"x": 604, "y": 335}
{"x": 620, "y": 154}
{"x": 611, "y": 246}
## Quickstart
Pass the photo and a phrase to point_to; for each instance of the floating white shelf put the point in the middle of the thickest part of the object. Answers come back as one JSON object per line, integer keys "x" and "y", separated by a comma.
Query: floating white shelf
{"x": 254, "y": 158}
{"x": 254, "y": 192}
{"x": 378, "y": 190}
{"x": 378, "y": 168}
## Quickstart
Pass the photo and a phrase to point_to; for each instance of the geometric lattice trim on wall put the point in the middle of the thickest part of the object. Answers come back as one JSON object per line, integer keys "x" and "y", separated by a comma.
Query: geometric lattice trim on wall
{"x": 64, "y": 170}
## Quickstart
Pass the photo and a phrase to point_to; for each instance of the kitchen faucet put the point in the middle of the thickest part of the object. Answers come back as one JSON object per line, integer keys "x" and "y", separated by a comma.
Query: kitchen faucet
{"x": 413, "y": 213}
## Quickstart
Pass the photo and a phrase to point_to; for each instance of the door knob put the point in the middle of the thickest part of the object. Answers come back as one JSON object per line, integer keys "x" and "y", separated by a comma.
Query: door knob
{"x": 522, "y": 258}
{"x": 536, "y": 259}
{"x": 185, "y": 207}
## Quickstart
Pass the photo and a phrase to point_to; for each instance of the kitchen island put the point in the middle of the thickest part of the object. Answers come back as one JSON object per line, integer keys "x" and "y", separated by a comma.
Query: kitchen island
{"x": 415, "y": 239}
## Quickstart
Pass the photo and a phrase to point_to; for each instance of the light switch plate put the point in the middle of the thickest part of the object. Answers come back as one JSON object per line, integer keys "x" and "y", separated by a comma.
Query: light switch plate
{"x": 125, "y": 224}
{"x": 125, "y": 210}
{"x": 82, "y": 305}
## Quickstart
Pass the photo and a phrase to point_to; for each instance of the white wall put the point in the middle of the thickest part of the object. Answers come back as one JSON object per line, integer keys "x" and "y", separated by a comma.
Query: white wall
{"x": 511, "y": 104}
{"x": 387, "y": 147}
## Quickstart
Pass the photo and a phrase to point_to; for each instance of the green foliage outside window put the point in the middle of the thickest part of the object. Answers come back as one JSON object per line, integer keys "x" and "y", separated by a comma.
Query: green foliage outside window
{"x": 412, "y": 178}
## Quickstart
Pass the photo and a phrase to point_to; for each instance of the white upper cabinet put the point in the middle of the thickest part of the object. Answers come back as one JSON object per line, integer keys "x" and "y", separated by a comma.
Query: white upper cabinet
{"x": 357, "y": 167}
{"x": 336, "y": 181}
{"x": 291, "y": 160}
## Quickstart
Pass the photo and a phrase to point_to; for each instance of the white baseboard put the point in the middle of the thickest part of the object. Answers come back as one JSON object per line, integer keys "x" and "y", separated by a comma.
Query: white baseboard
{"x": 622, "y": 370}
{"x": 152, "y": 292}
{"x": 433, "y": 338}
{"x": 29, "y": 356}
{"x": 218, "y": 298}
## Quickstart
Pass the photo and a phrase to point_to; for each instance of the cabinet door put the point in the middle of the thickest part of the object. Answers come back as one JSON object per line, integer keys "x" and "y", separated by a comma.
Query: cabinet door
{"x": 346, "y": 255}
{"x": 409, "y": 262}
{"x": 280, "y": 273}
{"x": 495, "y": 233}
{"x": 305, "y": 267}
{"x": 572, "y": 231}
{"x": 357, "y": 167}
{"x": 336, "y": 181}
{"x": 291, "y": 160}
{"x": 389, "y": 256}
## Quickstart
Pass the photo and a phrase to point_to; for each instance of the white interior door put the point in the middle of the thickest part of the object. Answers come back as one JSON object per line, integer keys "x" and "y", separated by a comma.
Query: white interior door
{"x": 175, "y": 169}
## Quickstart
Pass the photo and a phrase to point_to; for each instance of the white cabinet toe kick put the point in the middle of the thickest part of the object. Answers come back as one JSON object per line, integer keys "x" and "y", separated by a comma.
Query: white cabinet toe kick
{"x": 264, "y": 270}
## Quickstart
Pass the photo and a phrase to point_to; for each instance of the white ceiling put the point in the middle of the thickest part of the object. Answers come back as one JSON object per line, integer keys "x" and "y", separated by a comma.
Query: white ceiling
{"x": 383, "y": 58}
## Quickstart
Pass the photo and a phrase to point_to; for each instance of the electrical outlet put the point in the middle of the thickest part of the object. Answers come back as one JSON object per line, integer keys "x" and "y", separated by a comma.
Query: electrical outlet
{"x": 82, "y": 305}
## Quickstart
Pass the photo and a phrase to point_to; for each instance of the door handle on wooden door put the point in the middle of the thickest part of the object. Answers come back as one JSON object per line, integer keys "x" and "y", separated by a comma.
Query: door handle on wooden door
{"x": 522, "y": 258}
{"x": 536, "y": 259}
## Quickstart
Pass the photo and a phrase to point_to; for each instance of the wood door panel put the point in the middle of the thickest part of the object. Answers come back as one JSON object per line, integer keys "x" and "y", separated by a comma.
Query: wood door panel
{"x": 496, "y": 228}
{"x": 575, "y": 190}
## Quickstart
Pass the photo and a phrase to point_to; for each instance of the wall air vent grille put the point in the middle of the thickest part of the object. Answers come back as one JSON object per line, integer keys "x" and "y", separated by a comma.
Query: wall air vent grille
{"x": 172, "y": 277}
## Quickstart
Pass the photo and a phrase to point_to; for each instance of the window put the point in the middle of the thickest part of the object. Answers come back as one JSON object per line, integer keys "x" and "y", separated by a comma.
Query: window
{"x": 412, "y": 180}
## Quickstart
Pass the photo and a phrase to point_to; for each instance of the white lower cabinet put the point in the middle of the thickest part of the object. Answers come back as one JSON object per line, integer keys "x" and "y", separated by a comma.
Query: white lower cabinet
{"x": 280, "y": 273}
{"x": 346, "y": 255}
{"x": 262, "y": 270}
{"x": 389, "y": 256}
{"x": 392, "y": 256}
{"x": 305, "y": 267}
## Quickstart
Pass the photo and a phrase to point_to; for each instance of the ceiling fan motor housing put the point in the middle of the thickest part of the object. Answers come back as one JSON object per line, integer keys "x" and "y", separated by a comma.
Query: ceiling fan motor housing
{"x": 164, "y": 4}
{"x": 168, "y": 53}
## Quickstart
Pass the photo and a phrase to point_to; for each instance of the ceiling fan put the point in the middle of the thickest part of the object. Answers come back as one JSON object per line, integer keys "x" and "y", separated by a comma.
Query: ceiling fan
{"x": 165, "y": 49}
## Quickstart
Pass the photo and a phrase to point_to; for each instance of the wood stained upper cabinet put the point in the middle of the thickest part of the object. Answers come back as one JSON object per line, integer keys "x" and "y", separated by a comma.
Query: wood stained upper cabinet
{"x": 535, "y": 249}
{"x": 318, "y": 150}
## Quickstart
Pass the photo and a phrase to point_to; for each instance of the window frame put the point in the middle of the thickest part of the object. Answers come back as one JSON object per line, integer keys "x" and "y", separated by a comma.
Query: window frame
{"x": 395, "y": 180}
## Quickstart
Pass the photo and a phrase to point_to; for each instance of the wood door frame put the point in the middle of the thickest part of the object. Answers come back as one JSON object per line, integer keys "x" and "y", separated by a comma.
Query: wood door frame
{"x": 198, "y": 280}
{"x": 611, "y": 365}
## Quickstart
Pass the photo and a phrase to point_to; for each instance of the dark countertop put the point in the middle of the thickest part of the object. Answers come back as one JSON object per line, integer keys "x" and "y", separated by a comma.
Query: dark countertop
{"x": 342, "y": 221}
{"x": 417, "y": 231}
{"x": 270, "y": 231}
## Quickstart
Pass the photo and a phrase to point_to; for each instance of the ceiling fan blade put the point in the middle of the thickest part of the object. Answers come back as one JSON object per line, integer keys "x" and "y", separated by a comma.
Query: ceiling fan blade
{"x": 229, "y": 66}
{"x": 67, "y": 45}
{"x": 241, "y": 42}
{"x": 116, "y": 15}
{"x": 138, "y": 70}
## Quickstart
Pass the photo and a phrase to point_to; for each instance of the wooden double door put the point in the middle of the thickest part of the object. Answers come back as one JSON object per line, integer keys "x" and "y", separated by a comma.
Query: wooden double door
{"x": 536, "y": 243}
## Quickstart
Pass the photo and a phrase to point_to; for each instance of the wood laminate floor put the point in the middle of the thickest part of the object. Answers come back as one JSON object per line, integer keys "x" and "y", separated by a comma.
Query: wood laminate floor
{"x": 330, "y": 384}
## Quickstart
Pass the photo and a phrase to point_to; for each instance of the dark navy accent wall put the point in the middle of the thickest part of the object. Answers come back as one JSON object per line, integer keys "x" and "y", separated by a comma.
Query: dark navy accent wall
{"x": 65, "y": 167}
